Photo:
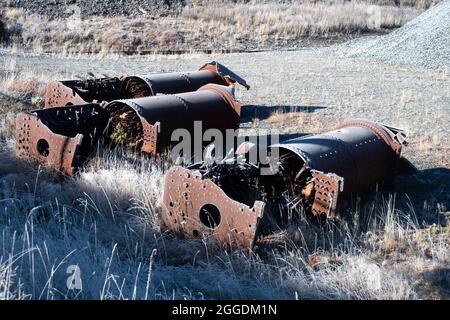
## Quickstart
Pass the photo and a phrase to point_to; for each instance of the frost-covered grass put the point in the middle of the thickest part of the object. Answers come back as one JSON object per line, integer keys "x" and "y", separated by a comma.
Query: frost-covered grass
{"x": 106, "y": 222}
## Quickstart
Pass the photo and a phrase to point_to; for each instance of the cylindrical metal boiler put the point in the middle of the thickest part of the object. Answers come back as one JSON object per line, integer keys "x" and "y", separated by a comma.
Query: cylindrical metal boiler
{"x": 362, "y": 152}
{"x": 106, "y": 89}
{"x": 150, "y": 121}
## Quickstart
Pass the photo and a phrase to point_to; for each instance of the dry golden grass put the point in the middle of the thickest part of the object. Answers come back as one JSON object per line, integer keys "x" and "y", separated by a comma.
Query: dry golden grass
{"x": 28, "y": 85}
{"x": 261, "y": 22}
{"x": 303, "y": 122}
{"x": 422, "y": 4}
{"x": 22, "y": 85}
{"x": 216, "y": 26}
{"x": 20, "y": 90}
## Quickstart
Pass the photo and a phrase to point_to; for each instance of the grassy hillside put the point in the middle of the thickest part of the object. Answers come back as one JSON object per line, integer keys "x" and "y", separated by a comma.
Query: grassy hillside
{"x": 218, "y": 26}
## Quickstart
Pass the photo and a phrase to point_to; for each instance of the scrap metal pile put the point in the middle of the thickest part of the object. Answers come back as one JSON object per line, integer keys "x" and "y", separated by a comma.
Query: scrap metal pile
{"x": 229, "y": 200}
{"x": 239, "y": 206}
{"x": 139, "y": 111}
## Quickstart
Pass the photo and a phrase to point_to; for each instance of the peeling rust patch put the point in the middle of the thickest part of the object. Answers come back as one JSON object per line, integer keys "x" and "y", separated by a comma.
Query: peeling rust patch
{"x": 326, "y": 192}
{"x": 149, "y": 122}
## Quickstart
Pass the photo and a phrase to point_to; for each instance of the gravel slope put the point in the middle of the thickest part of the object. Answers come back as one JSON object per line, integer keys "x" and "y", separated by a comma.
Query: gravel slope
{"x": 424, "y": 41}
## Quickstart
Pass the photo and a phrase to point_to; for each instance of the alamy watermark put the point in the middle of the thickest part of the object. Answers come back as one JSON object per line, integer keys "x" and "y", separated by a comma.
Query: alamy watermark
{"x": 74, "y": 282}
{"x": 230, "y": 146}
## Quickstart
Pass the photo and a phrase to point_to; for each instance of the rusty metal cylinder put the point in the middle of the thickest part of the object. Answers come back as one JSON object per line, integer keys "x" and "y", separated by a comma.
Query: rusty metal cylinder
{"x": 170, "y": 83}
{"x": 106, "y": 89}
{"x": 362, "y": 152}
{"x": 213, "y": 105}
{"x": 76, "y": 92}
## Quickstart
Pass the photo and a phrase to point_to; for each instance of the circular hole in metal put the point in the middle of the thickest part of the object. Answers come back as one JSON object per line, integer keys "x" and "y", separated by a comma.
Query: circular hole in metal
{"x": 43, "y": 147}
{"x": 209, "y": 215}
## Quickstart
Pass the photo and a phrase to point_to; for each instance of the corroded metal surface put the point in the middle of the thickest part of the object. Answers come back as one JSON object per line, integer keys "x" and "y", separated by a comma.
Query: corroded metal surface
{"x": 146, "y": 123}
{"x": 315, "y": 173}
{"x": 226, "y": 74}
{"x": 362, "y": 152}
{"x": 197, "y": 207}
{"x": 61, "y": 138}
{"x": 106, "y": 89}
{"x": 78, "y": 92}
{"x": 178, "y": 82}
{"x": 152, "y": 120}
{"x": 327, "y": 188}
{"x": 353, "y": 158}
{"x": 60, "y": 94}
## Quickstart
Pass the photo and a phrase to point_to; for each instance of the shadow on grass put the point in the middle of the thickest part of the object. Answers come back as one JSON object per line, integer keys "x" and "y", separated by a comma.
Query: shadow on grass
{"x": 260, "y": 112}
{"x": 439, "y": 279}
{"x": 421, "y": 197}
{"x": 428, "y": 192}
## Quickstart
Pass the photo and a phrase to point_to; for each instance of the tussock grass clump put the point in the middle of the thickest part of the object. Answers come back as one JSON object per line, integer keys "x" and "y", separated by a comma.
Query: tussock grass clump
{"x": 22, "y": 85}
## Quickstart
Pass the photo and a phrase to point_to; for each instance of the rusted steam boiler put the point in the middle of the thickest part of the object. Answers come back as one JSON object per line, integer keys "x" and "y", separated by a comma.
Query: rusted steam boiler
{"x": 178, "y": 82}
{"x": 63, "y": 137}
{"x": 149, "y": 122}
{"x": 353, "y": 158}
{"x": 236, "y": 205}
{"x": 77, "y": 92}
